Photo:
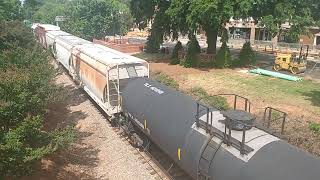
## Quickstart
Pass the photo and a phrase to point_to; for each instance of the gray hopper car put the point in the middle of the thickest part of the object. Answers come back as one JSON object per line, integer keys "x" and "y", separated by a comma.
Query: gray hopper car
{"x": 169, "y": 119}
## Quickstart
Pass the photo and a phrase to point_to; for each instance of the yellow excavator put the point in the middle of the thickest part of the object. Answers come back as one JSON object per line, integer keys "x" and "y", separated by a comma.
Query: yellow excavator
{"x": 294, "y": 63}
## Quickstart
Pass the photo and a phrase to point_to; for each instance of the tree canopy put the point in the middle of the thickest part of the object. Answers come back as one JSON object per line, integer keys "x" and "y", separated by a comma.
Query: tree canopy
{"x": 10, "y": 10}
{"x": 97, "y": 18}
{"x": 187, "y": 16}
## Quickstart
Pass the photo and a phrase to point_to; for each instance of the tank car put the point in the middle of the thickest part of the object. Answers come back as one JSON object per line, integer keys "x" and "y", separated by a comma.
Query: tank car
{"x": 206, "y": 142}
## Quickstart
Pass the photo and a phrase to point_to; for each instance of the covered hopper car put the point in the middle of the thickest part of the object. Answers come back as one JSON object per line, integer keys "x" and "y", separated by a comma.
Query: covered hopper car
{"x": 102, "y": 72}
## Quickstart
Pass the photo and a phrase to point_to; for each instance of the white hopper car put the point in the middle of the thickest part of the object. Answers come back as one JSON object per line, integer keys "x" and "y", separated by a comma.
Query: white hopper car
{"x": 102, "y": 72}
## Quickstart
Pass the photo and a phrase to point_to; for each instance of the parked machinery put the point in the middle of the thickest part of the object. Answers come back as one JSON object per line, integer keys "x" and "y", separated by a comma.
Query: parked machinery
{"x": 209, "y": 143}
{"x": 295, "y": 63}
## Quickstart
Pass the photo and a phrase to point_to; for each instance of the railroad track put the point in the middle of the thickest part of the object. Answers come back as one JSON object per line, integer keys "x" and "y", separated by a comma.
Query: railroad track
{"x": 159, "y": 164}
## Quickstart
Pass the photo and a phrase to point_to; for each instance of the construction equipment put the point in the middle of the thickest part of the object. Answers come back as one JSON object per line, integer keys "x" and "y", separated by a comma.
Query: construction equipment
{"x": 292, "y": 62}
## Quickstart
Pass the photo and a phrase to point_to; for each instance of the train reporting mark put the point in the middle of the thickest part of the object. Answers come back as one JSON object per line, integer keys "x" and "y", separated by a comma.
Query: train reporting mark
{"x": 153, "y": 88}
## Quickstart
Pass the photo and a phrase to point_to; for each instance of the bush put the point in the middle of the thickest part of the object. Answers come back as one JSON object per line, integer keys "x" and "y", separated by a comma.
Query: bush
{"x": 165, "y": 79}
{"x": 213, "y": 101}
{"x": 26, "y": 89}
{"x": 175, "y": 53}
{"x": 246, "y": 57}
{"x": 223, "y": 57}
{"x": 193, "y": 49}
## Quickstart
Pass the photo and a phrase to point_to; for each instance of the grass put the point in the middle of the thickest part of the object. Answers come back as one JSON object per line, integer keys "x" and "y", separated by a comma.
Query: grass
{"x": 165, "y": 79}
{"x": 315, "y": 127}
{"x": 214, "y": 101}
{"x": 305, "y": 93}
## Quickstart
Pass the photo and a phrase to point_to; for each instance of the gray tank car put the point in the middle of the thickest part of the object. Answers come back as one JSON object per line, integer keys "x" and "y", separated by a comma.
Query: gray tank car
{"x": 197, "y": 138}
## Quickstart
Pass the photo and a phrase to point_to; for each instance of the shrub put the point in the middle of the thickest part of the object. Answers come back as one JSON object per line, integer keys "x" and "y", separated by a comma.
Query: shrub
{"x": 315, "y": 127}
{"x": 165, "y": 79}
{"x": 193, "y": 49}
{"x": 26, "y": 89}
{"x": 175, "y": 53}
{"x": 223, "y": 58}
{"x": 246, "y": 57}
{"x": 213, "y": 101}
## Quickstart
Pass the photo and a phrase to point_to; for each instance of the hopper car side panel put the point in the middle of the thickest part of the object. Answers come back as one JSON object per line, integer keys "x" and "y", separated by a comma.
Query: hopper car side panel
{"x": 63, "y": 53}
{"x": 91, "y": 77}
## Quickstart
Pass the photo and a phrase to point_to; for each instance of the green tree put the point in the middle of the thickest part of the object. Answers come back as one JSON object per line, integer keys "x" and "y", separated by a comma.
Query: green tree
{"x": 247, "y": 56}
{"x": 223, "y": 58}
{"x": 175, "y": 53}
{"x": 212, "y": 15}
{"x": 96, "y": 18}
{"x": 193, "y": 49}
{"x": 299, "y": 14}
{"x": 48, "y": 11}
{"x": 10, "y": 10}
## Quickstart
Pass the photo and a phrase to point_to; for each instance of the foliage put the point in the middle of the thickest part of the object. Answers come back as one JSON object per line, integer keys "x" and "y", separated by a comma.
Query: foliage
{"x": 10, "y": 10}
{"x": 300, "y": 14}
{"x": 204, "y": 97}
{"x": 26, "y": 89}
{"x": 175, "y": 53}
{"x": 96, "y": 18}
{"x": 247, "y": 56}
{"x": 142, "y": 11}
{"x": 165, "y": 79}
{"x": 160, "y": 27}
{"x": 48, "y": 11}
{"x": 193, "y": 49}
{"x": 223, "y": 58}
{"x": 315, "y": 127}
{"x": 211, "y": 16}
{"x": 11, "y": 35}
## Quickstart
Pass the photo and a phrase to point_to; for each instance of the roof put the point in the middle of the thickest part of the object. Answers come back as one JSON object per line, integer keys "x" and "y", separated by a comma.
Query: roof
{"x": 107, "y": 56}
{"x": 73, "y": 40}
{"x": 49, "y": 27}
{"x": 58, "y": 33}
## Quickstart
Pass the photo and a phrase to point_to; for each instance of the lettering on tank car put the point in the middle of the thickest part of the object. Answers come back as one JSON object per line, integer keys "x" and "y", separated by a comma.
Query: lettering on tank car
{"x": 153, "y": 88}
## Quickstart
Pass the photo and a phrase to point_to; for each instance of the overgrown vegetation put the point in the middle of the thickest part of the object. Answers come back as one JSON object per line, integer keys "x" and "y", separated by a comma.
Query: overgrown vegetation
{"x": 26, "y": 89}
{"x": 214, "y": 101}
{"x": 175, "y": 54}
{"x": 165, "y": 79}
{"x": 315, "y": 127}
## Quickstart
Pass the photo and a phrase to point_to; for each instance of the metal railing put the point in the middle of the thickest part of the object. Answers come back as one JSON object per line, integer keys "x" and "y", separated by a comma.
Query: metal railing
{"x": 246, "y": 102}
{"x": 225, "y": 136}
{"x": 267, "y": 117}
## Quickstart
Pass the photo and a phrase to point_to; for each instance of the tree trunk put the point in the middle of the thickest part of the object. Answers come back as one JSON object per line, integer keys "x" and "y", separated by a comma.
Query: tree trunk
{"x": 212, "y": 34}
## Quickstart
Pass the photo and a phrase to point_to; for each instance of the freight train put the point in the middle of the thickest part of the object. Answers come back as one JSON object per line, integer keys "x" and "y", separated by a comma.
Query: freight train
{"x": 206, "y": 142}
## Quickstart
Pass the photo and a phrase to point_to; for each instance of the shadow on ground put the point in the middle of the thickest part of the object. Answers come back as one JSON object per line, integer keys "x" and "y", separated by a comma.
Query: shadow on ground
{"x": 74, "y": 162}
{"x": 313, "y": 97}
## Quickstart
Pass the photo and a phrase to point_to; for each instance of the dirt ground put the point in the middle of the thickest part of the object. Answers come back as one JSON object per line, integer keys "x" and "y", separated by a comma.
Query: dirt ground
{"x": 215, "y": 81}
{"x": 99, "y": 152}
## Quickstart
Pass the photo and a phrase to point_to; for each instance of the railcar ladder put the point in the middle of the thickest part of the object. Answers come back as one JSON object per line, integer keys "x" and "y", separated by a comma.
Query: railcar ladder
{"x": 114, "y": 90}
{"x": 206, "y": 159}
